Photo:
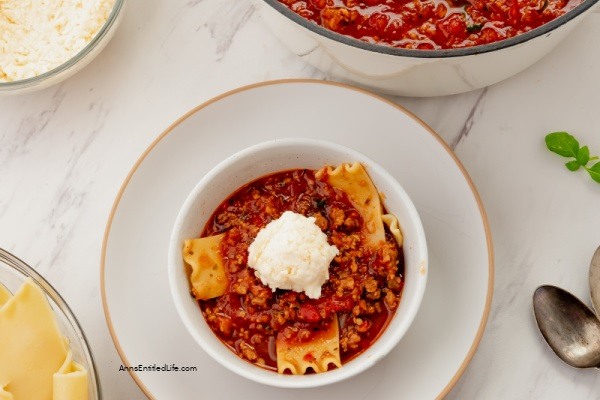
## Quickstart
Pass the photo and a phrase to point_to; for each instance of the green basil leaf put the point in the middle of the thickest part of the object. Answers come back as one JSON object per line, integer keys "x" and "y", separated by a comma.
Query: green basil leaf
{"x": 474, "y": 28}
{"x": 563, "y": 144}
{"x": 583, "y": 156}
{"x": 573, "y": 165}
{"x": 594, "y": 172}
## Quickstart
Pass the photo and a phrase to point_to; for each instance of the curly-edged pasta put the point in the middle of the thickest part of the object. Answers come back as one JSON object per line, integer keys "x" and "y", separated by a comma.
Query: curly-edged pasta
{"x": 208, "y": 277}
{"x": 317, "y": 353}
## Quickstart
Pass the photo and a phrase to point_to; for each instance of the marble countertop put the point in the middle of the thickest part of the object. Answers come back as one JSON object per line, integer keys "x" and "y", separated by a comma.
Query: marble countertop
{"x": 65, "y": 151}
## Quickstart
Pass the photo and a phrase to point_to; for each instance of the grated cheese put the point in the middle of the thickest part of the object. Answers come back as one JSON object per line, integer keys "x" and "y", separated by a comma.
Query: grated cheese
{"x": 37, "y": 36}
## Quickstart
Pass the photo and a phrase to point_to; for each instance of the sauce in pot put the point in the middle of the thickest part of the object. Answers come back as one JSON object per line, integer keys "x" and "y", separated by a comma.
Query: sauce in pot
{"x": 430, "y": 24}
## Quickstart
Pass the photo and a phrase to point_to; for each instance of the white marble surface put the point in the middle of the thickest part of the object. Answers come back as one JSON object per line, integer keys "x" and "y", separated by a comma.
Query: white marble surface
{"x": 65, "y": 151}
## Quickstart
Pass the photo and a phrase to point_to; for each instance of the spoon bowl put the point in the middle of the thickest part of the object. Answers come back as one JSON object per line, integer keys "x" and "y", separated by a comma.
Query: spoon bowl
{"x": 570, "y": 327}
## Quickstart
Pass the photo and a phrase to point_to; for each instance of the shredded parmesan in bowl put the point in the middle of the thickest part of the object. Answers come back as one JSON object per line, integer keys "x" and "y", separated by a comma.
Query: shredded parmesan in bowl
{"x": 37, "y": 36}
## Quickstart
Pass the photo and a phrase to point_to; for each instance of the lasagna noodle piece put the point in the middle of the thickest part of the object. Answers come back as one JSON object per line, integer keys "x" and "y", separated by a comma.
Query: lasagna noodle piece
{"x": 318, "y": 353}
{"x": 208, "y": 277}
{"x": 354, "y": 180}
{"x": 71, "y": 381}
{"x": 32, "y": 349}
{"x": 4, "y": 395}
{"x": 394, "y": 226}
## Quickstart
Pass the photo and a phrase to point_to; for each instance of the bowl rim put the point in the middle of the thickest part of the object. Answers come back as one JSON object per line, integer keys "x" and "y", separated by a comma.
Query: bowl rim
{"x": 104, "y": 31}
{"x": 380, "y": 347}
{"x": 21, "y": 266}
{"x": 438, "y": 53}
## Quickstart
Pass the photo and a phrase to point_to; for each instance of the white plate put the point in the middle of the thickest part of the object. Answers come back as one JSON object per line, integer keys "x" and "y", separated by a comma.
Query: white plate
{"x": 142, "y": 318}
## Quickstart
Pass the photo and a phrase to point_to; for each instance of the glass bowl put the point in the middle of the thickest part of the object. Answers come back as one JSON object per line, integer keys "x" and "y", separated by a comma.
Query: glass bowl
{"x": 75, "y": 63}
{"x": 13, "y": 273}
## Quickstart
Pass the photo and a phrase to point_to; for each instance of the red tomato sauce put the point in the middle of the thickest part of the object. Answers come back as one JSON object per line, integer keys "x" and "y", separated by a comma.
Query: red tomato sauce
{"x": 430, "y": 24}
{"x": 363, "y": 289}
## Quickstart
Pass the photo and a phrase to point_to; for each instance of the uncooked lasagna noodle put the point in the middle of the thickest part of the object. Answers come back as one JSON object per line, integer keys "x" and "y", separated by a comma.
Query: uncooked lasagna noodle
{"x": 35, "y": 356}
{"x": 70, "y": 382}
{"x": 318, "y": 353}
{"x": 353, "y": 180}
{"x": 208, "y": 277}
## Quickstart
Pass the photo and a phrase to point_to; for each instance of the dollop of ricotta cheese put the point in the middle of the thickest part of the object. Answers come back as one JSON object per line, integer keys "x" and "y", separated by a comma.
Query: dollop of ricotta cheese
{"x": 292, "y": 253}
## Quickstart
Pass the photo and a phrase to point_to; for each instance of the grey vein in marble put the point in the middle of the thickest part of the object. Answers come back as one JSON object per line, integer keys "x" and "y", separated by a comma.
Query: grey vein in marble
{"x": 476, "y": 111}
{"x": 30, "y": 125}
{"x": 223, "y": 32}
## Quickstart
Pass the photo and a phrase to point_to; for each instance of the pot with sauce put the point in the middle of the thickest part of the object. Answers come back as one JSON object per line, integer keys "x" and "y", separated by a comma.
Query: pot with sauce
{"x": 422, "y": 47}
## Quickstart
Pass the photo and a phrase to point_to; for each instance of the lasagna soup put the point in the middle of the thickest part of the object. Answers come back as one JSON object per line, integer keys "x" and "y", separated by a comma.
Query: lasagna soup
{"x": 430, "y": 24}
{"x": 292, "y": 331}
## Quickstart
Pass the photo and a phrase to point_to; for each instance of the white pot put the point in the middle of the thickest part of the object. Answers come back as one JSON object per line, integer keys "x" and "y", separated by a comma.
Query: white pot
{"x": 415, "y": 72}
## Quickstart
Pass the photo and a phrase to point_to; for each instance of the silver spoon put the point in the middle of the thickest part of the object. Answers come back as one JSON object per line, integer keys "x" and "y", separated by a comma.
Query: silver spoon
{"x": 569, "y": 326}
{"x": 595, "y": 280}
